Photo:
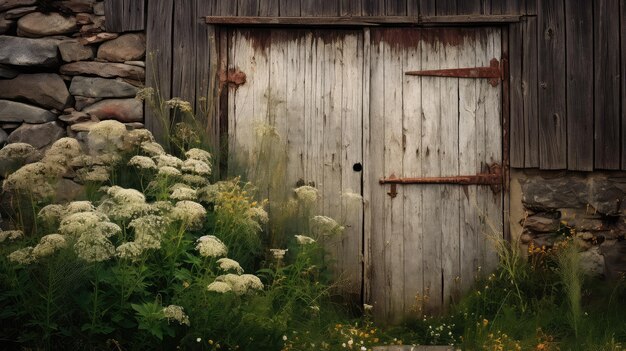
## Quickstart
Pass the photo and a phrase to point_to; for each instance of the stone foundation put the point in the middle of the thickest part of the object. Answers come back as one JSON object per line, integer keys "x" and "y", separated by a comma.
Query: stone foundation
{"x": 590, "y": 206}
{"x": 60, "y": 71}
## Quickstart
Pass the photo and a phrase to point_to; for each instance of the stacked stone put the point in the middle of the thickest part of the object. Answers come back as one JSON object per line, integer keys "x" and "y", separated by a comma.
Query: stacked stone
{"x": 61, "y": 72}
{"x": 592, "y": 206}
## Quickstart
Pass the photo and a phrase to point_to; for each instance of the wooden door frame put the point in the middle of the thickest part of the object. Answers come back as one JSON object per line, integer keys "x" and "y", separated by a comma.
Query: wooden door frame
{"x": 221, "y": 42}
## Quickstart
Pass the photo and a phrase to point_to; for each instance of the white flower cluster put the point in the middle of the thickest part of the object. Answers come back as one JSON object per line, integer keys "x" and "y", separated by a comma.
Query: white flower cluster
{"x": 189, "y": 212}
{"x": 326, "y": 225}
{"x": 308, "y": 195}
{"x": 148, "y": 233}
{"x": 11, "y": 235}
{"x": 304, "y": 240}
{"x": 125, "y": 204}
{"x": 18, "y": 151}
{"x": 211, "y": 246}
{"x": 38, "y": 179}
{"x": 182, "y": 191}
{"x": 238, "y": 284}
{"x": 63, "y": 151}
{"x": 49, "y": 244}
{"x": 142, "y": 162}
{"x": 258, "y": 214}
{"x": 198, "y": 154}
{"x": 227, "y": 264}
{"x": 176, "y": 313}
{"x": 279, "y": 254}
{"x": 107, "y": 136}
{"x": 196, "y": 167}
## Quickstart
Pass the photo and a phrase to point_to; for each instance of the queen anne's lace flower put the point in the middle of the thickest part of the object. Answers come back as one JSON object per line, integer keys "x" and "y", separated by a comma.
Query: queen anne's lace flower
{"x": 241, "y": 284}
{"x": 182, "y": 105}
{"x": 96, "y": 174}
{"x": 169, "y": 171}
{"x": 105, "y": 135}
{"x": 79, "y": 223}
{"x": 219, "y": 287}
{"x": 52, "y": 213}
{"x": 189, "y": 212}
{"x": 152, "y": 148}
{"x": 94, "y": 247}
{"x": 199, "y": 154}
{"x": 142, "y": 162}
{"x": 149, "y": 230}
{"x": 10, "y": 235}
{"x": 211, "y": 246}
{"x": 194, "y": 180}
{"x": 308, "y": 195}
{"x": 176, "y": 313}
{"x": 130, "y": 250}
{"x": 48, "y": 245}
{"x": 279, "y": 254}
{"x": 38, "y": 179}
{"x": 303, "y": 239}
{"x": 183, "y": 192}
{"x": 135, "y": 137}
{"x": 326, "y": 225}
{"x": 168, "y": 161}
{"x": 127, "y": 195}
{"x": 144, "y": 93}
{"x": 258, "y": 214}
{"x": 22, "y": 256}
{"x": 18, "y": 151}
{"x": 78, "y": 206}
{"x": 63, "y": 151}
{"x": 227, "y": 264}
{"x": 196, "y": 167}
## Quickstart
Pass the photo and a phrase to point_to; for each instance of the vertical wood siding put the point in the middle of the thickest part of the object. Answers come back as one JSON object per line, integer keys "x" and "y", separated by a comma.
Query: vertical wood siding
{"x": 567, "y": 63}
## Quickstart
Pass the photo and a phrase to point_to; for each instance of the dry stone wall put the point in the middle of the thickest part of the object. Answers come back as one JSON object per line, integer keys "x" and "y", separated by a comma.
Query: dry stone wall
{"x": 61, "y": 71}
{"x": 589, "y": 206}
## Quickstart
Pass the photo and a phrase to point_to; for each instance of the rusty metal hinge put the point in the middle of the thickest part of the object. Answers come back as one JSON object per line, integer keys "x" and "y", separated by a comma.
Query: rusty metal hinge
{"x": 493, "y": 72}
{"x": 492, "y": 178}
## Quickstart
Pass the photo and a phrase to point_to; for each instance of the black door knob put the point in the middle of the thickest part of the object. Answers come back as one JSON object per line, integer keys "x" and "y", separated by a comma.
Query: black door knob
{"x": 357, "y": 167}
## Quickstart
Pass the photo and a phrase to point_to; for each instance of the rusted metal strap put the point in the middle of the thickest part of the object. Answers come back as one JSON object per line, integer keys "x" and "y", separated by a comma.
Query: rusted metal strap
{"x": 493, "y": 72}
{"x": 493, "y": 178}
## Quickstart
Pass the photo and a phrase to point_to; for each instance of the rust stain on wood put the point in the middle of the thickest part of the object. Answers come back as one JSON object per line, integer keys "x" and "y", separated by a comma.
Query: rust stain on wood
{"x": 233, "y": 77}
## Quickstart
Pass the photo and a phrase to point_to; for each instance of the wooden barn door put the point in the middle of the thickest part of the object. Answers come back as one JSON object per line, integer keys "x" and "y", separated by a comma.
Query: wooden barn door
{"x": 425, "y": 243}
{"x": 303, "y": 91}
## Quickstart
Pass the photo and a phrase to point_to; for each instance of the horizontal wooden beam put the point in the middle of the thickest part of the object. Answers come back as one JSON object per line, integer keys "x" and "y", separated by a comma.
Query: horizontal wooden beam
{"x": 362, "y": 20}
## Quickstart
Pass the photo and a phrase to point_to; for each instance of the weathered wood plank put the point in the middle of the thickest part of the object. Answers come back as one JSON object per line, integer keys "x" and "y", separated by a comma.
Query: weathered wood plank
{"x": 449, "y": 154}
{"x": 517, "y": 127}
{"x": 351, "y": 65}
{"x": 225, "y": 101}
{"x": 412, "y": 167}
{"x": 607, "y": 84}
{"x": 493, "y": 147}
{"x": 363, "y": 20}
{"x": 184, "y": 52}
{"x": 446, "y": 7}
{"x": 393, "y": 152}
{"x": 413, "y": 7}
{"x": 269, "y": 8}
{"x": 319, "y": 7}
{"x": 395, "y": 7}
{"x": 551, "y": 73}
{"x": 428, "y": 7}
{"x": 469, "y": 7}
{"x": 114, "y": 15}
{"x": 623, "y": 76}
{"x": 134, "y": 15}
{"x": 159, "y": 61}
{"x": 531, "y": 7}
{"x": 247, "y": 7}
{"x": 294, "y": 106}
{"x": 368, "y": 178}
{"x": 432, "y": 167}
{"x": 289, "y": 8}
{"x": 529, "y": 91}
{"x": 330, "y": 119}
{"x": 376, "y": 168}
{"x": 469, "y": 163}
{"x": 373, "y": 8}
{"x": 579, "y": 46}
{"x": 351, "y": 8}
{"x": 206, "y": 74}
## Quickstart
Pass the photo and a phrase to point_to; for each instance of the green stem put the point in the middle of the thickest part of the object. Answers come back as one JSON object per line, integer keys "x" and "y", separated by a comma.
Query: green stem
{"x": 95, "y": 298}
